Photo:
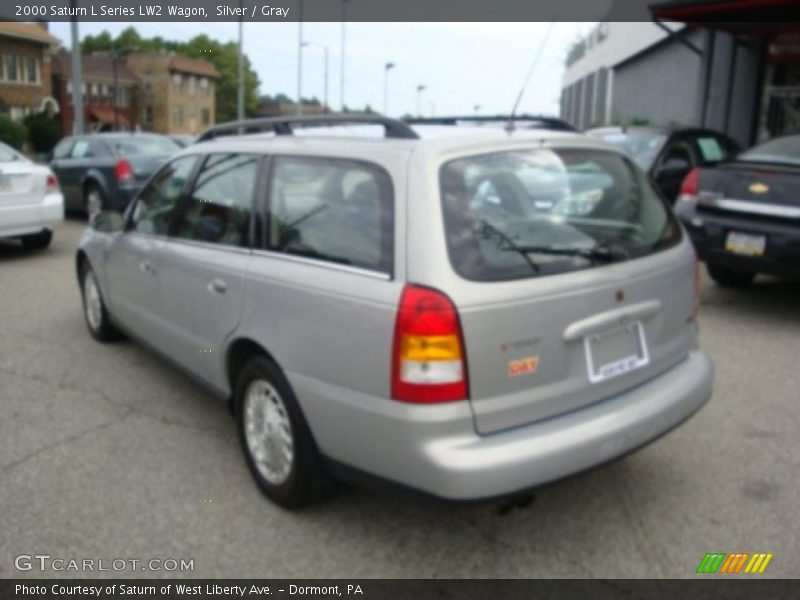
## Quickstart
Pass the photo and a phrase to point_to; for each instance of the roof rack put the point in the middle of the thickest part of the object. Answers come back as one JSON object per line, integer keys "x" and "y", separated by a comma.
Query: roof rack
{"x": 283, "y": 125}
{"x": 547, "y": 122}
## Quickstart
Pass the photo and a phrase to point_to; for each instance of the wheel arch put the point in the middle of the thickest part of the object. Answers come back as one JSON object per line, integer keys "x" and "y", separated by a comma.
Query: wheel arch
{"x": 238, "y": 353}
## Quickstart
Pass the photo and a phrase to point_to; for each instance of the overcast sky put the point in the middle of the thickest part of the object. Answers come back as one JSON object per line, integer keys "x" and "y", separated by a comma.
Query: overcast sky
{"x": 462, "y": 64}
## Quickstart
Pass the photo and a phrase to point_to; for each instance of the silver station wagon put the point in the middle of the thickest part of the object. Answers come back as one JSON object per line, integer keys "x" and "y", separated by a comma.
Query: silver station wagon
{"x": 465, "y": 312}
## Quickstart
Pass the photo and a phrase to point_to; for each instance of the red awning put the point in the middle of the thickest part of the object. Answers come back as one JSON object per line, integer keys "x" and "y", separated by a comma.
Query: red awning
{"x": 736, "y": 16}
{"x": 106, "y": 115}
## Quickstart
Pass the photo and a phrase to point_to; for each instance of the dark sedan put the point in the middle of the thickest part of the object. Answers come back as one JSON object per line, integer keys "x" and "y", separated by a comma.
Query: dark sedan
{"x": 668, "y": 154}
{"x": 744, "y": 214}
{"x": 105, "y": 170}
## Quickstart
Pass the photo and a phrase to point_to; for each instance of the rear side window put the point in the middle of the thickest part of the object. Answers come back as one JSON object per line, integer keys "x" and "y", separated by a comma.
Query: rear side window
{"x": 63, "y": 148}
{"x": 218, "y": 209}
{"x": 158, "y": 203}
{"x": 336, "y": 210}
{"x": 529, "y": 213}
{"x": 82, "y": 149}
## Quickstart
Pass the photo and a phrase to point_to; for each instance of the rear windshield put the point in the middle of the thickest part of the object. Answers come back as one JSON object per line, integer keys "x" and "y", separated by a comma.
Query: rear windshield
{"x": 528, "y": 213}
{"x": 780, "y": 150}
{"x": 143, "y": 146}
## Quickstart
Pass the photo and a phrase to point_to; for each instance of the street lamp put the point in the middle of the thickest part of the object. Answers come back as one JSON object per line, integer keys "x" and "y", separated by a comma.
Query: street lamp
{"x": 325, "y": 49}
{"x": 115, "y": 54}
{"x": 420, "y": 88}
{"x": 386, "y": 68}
{"x": 476, "y": 108}
{"x": 300, "y": 61}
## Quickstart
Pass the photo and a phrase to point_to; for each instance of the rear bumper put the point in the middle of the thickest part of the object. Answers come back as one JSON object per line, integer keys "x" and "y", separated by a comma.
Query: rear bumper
{"x": 708, "y": 232}
{"x": 440, "y": 453}
{"x": 122, "y": 197}
{"x": 25, "y": 219}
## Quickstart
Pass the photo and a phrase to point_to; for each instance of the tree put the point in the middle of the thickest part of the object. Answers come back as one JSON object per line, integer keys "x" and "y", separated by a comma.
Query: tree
{"x": 44, "y": 132}
{"x": 12, "y": 132}
{"x": 222, "y": 56}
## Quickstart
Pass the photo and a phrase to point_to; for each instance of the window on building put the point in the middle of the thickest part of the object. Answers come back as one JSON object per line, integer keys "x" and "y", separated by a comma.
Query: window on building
{"x": 204, "y": 86}
{"x": 148, "y": 114}
{"x": 177, "y": 82}
{"x": 192, "y": 84}
{"x": 177, "y": 115}
{"x": 10, "y": 67}
{"x": 32, "y": 69}
{"x": 206, "y": 116}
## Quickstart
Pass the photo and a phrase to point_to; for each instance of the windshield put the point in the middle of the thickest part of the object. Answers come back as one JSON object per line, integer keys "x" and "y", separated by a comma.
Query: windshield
{"x": 641, "y": 146}
{"x": 519, "y": 214}
{"x": 150, "y": 145}
{"x": 780, "y": 150}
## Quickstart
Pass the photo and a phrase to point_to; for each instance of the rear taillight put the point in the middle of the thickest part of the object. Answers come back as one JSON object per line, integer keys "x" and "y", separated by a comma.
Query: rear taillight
{"x": 51, "y": 185}
{"x": 428, "y": 358}
{"x": 689, "y": 187}
{"x": 123, "y": 170}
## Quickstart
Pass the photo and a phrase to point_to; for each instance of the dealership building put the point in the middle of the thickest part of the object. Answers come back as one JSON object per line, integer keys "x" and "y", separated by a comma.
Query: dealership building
{"x": 730, "y": 65}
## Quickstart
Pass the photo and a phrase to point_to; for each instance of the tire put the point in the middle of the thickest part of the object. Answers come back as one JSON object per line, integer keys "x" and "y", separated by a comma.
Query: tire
{"x": 271, "y": 425}
{"x": 94, "y": 308}
{"x": 94, "y": 201}
{"x": 38, "y": 241}
{"x": 732, "y": 278}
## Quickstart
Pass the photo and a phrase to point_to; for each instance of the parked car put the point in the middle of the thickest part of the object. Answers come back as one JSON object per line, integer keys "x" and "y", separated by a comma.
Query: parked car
{"x": 31, "y": 204}
{"x": 402, "y": 308}
{"x": 743, "y": 214}
{"x": 668, "y": 154}
{"x": 105, "y": 170}
{"x": 183, "y": 140}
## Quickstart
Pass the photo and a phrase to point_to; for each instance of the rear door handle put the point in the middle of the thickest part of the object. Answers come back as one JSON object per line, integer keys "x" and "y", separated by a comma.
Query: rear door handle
{"x": 217, "y": 286}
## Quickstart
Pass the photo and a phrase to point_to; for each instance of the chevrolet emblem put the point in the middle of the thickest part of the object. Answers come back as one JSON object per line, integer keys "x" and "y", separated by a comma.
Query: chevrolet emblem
{"x": 759, "y": 188}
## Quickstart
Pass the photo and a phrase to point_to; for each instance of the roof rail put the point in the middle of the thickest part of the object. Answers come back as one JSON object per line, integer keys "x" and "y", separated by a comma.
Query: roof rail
{"x": 283, "y": 125}
{"x": 548, "y": 122}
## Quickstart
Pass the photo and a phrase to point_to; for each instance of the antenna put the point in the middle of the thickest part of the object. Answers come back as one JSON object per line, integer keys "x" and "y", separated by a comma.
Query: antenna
{"x": 510, "y": 125}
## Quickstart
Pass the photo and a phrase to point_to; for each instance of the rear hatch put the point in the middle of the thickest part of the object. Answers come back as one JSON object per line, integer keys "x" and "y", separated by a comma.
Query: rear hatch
{"x": 566, "y": 303}
{"x": 20, "y": 183}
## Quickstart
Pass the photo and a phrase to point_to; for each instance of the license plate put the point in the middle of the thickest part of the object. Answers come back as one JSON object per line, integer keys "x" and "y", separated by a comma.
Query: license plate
{"x": 616, "y": 352}
{"x": 745, "y": 243}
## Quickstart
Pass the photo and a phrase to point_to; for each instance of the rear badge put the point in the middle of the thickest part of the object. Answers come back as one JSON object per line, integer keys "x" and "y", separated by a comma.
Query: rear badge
{"x": 523, "y": 366}
{"x": 759, "y": 188}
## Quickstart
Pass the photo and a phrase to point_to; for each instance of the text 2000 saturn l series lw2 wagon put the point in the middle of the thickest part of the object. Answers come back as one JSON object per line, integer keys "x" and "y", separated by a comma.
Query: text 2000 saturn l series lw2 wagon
{"x": 465, "y": 312}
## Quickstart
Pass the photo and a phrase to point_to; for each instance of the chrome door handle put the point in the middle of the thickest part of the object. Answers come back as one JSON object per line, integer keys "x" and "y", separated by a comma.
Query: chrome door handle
{"x": 217, "y": 286}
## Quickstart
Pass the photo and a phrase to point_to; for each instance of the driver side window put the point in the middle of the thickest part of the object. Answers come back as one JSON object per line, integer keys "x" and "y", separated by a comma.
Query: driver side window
{"x": 158, "y": 202}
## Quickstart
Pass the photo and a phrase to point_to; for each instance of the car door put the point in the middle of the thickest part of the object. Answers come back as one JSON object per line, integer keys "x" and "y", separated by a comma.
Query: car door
{"x": 61, "y": 164}
{"x": 133, "y": 257}
{"x": 675, "y": 162}
{"x": 203, "y": 261}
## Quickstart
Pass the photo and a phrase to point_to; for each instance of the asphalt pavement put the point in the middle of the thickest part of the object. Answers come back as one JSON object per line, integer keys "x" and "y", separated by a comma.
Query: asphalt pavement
{"x": 106, "y": 452}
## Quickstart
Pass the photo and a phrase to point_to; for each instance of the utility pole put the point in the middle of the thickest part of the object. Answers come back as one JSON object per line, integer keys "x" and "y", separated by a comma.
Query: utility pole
{"x": 420, "y": 88}
{"x": 386, "y": 68}
{"x": 476, "y": 108}
{"x": 300, "y": 61}
{"x": 77, "y": 79}
{"x": 325, "y": 80}
{"x": 341, "y": 69}
{"x": 240, "y": 71}
{"x": 114, "y": 59}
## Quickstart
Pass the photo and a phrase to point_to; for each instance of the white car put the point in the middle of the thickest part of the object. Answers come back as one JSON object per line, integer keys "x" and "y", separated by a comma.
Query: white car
{"x": 31, "y": 204}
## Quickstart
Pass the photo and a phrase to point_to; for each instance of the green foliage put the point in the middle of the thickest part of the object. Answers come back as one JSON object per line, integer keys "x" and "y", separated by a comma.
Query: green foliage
{"x": 43, "y": 132}
{"x": 222, "y": 56}
{"x": 12, "y": 132}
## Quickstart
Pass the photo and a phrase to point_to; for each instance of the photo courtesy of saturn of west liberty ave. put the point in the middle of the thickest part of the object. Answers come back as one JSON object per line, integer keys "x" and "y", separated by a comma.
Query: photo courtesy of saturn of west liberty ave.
{"x": 410, "y": 297}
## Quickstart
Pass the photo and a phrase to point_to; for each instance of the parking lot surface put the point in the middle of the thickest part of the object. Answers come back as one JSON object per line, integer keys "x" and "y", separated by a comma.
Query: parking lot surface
{"x": 108, "y": 452}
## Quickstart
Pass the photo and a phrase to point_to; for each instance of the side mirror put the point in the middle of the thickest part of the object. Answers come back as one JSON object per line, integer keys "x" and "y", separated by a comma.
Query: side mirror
{"x": 108, "y": 221}
{"x": 675, "y": 165}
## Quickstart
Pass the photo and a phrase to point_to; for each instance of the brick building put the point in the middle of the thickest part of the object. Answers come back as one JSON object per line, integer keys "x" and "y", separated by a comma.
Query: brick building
{"x": 102, "y": 74}
{"x": 26, "y": 50}
{"x": 176, "y": 94}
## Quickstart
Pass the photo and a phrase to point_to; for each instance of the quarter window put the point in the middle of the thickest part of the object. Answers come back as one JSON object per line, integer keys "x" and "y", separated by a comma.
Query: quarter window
{"x": 158, "y": 202}
{"x": 332, "y": 209}
{"x": 218, "y": 209}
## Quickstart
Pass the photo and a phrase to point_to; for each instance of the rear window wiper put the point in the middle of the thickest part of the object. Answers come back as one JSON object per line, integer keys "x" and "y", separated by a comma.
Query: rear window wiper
{"x": 504, "y": 241}
{"x": 599, "y": 253}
